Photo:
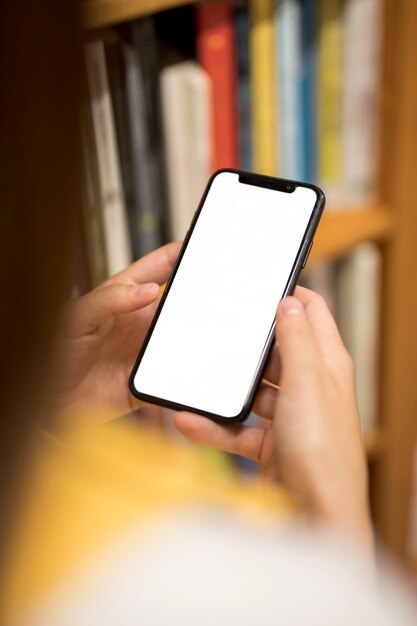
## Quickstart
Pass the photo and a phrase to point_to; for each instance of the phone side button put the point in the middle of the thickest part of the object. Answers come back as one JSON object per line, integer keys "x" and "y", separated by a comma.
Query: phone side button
{"x": 307, "y": 255}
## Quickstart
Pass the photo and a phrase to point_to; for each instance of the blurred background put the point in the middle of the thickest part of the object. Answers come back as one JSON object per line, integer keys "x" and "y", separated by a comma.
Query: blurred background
{"x": 320, "y": 91}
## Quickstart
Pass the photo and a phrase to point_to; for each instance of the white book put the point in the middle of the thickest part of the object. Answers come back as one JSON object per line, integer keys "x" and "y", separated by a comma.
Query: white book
{"x": 361, "y": 69}
{"x": 358, "y": 315}
{"x": 116, "y": 233}
{"x": 321, "y": 279}
{"x": 185, "y": 94}
{"x": 288, "y": 44}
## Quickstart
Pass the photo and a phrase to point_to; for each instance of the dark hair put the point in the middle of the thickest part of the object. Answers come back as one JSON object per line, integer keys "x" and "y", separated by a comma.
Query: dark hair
{"x": 39, "y": 190}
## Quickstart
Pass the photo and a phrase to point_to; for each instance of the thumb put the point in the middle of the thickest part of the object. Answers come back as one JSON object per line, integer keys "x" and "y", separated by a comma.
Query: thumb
{"x": 297, "y": 346}
{"x": 83, "y": 315}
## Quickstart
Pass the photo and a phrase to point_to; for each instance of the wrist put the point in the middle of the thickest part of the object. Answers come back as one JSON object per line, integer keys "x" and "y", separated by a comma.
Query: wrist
{"x": 352, "y": 519}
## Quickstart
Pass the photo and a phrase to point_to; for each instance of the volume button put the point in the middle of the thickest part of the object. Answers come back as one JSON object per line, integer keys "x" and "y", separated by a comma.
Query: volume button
{"x": 307, "y": 255}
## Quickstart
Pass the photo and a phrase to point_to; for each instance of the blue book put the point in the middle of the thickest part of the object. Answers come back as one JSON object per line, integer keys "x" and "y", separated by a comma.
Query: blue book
{"x": 243, "y": 95}
{"x": 308, "y": 92}
{"x": 288, "y": 54}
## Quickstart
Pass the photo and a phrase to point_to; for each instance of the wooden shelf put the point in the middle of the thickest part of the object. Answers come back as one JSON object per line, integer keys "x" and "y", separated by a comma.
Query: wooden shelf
{"x": 341, "y": 230}
{"x": 99, "y": 13}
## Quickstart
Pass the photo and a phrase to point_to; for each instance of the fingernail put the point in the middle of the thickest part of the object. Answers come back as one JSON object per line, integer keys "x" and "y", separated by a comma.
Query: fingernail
{"x": 291, "y": 306}
{"x": 143, "y": 289}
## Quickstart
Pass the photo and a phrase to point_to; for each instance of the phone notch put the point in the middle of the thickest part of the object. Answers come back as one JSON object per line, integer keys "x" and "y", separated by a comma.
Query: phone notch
{"x": 267, "y": 182}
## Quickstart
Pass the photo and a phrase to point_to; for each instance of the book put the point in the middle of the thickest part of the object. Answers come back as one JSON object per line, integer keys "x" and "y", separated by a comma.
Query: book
{"x": 329, "y": 98}
{"x": 358, "y": 295}
{"x": 216, "y": 52}
{"x": 116, "y": 235}
{"x": 264, "y": 87}
{"x": 308, "y": 90}
{"x": 142, "y": 66}
{"x": 288, "y": 45}
{"x": 113, "y": 48}
{"x": 243, "y": 93}
{"x": 92, "y": 210}
{"x": 361, "y": 72}
{"x": 145, "y": 37}
{"x": 186, "y": 97}
{"x": 322, "y": 278}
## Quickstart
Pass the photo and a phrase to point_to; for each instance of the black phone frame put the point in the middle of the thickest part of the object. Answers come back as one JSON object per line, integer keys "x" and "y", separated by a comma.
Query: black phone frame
{"x": 301, "y": 258}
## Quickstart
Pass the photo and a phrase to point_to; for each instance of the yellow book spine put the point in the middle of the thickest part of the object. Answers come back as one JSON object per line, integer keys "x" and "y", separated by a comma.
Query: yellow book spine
{"x": 262, "y": 59}
{"x": 330, "y": 93}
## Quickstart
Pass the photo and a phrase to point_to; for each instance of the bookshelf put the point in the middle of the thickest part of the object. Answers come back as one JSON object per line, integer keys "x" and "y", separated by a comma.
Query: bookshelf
{"x": 343, "y": 229}
{"x": 98, "y": 13}
{"x": 391, "y": 222}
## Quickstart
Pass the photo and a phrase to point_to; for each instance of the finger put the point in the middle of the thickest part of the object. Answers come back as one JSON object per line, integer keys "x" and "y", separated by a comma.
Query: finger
{"x": 273, "y": 367}
{"x": 154, "y": 267}
{"x": 248, "y": 441}
{"x": 299, "y": 353}
{"x": 83, "y": 315}
{"x": 265, "y": 400}
{"x": 323, "y": 325}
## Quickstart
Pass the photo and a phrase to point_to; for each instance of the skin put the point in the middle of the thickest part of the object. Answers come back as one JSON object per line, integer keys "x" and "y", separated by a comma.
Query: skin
{"x": 311, "y": 440}
{"x": 100, "y": 336}
{"x": 308, "y": 436}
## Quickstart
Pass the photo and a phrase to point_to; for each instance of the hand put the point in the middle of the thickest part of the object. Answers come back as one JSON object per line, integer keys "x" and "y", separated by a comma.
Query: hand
{"x": 314, "y": 444}
{"x": 101, "y": 335}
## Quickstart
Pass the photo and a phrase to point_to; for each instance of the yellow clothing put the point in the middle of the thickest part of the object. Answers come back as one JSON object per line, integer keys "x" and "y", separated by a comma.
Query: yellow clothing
{"x": 90, "y": 487}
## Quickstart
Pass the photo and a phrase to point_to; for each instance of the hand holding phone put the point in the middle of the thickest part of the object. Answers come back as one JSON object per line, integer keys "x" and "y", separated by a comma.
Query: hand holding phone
{"x": 212, "y": 332}
{"x": 299, "y": 442}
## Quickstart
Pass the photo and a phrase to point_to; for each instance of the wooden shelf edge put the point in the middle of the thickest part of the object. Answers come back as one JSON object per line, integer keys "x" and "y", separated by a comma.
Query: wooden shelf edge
{"x": 100, "y": 13}
{"x": 341, "y": 230}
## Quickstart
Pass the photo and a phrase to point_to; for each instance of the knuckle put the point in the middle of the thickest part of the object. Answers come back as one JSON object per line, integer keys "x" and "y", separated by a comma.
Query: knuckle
{"x": 71, "y": 308}
{"x": 110, "y": 292}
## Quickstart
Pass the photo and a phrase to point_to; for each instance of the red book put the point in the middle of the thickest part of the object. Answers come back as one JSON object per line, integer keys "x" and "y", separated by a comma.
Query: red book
{"x": 216, "y": 52}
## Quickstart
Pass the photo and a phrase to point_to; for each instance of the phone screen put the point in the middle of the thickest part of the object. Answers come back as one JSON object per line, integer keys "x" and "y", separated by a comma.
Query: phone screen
{"x": 207, "y": 344}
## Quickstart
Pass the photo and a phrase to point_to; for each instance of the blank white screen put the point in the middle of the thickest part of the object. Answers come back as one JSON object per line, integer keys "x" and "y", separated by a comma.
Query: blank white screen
{"x": 208, "y": 341}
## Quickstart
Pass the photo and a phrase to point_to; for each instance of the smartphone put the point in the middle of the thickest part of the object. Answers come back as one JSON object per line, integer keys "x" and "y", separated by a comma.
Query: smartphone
{"x": 211, "y": 335}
